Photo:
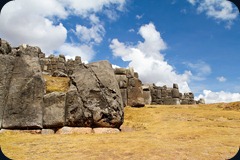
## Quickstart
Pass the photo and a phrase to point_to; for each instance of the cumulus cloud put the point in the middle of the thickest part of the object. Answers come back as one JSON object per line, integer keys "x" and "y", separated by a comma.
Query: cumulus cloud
{"x": 90, "y": 35}
{"x": 71, "y": 50}
{"x": 218, "y": 9}
{"x": 221, "y": 79}
{"x": 216, "y": 97}
{"x": 200, "y": 70}
{"x": 193, "y": 2}
{"x": 25, "y": 21}
{"x": 146, "y": 58}
{"x": 38, "y": 23}
{"x": 83, "y": 7}
{"x": 139, "y": 16}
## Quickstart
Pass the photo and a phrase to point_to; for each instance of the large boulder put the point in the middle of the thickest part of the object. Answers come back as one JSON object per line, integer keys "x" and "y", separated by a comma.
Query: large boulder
{"x": 135, "y": 93}
{"x": 124, "y": 96}
{"x": 54, "y": 110}
{"x": 6, "y": 67}
{"x": 76, "y": 114}
{"x": 175, "y": 93}
{"x": 122, "y": 81}
{"x": 24, "y": 98}
{"x": 147, "y": 94}
{"x": 97, "y": 88}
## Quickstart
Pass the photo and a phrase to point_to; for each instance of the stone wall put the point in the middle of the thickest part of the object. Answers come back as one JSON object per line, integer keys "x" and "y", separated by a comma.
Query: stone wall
{"x": 93, "y": 99}
{"x": 53, "y": 64}
{"x": 96, "y": 96}
{"x": 130, "y": 87}
{"x": 170, "y": 96}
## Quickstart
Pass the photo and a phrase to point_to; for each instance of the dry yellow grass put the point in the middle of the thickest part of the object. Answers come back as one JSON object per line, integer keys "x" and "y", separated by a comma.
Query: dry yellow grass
{"x": 204, "y": 132}
{"x": 56, "y": 84}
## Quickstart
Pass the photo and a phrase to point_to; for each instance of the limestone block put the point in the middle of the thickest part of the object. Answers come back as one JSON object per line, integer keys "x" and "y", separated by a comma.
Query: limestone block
{"x": 54, "y": 110}
{"x": 47, "y": 131}
{"x": 122, "y": 81}
{"x": 175, "y": 93}
{"x": 23, "y": 108}
{"x": 124, "y": 96}
{"x": 105, "y": 130}
{"x": 120, "y": 71}
{"x": 75, "y": 130}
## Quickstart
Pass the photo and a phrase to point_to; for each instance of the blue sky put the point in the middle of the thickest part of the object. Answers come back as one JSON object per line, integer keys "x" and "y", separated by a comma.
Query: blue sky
{"x": 194, "y": 43}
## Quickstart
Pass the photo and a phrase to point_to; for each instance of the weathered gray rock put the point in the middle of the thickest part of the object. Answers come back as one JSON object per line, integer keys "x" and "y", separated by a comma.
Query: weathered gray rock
{"x": 122, "y": 81}
{"x": 147, "y": 94}
{"x": 175, "y": 85}
{"x": 47, "y": 131}
{"x": 5, "y": 47}
{"x": 29, "y": 131}
{"x": 105, "y": 130}
{"x": 75, "y": 130}
{"x": 58, "y": 73}
{"x": 201, "y": 101}
{"x": 175, "y": 93}
{"x": 6, "y": 67}
{"x": 76, "y": 114}
{"x": 24, "y": 100}
{"x": 124, "y": 96}
{"x": 120, "y": 71}
{"x": 97, "y": 87}
{"x": 135, "y": 93}
{"x": 54, "y": 110}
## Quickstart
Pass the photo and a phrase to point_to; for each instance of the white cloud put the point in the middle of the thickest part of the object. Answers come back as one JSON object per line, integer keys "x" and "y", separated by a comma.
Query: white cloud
{"x": 193, "y": 2}
{"x": 139, "y": 16}
{"x": 84, "y": 8}
{"x": 217, "y": 97}
{"x": 72, "y": 50}
{"x": 24, "y": 21}
{"x": 93, "y": 35}
{"x": 200, "y": 70}
{"x": 221, "y": 79}
{"x": 38, "y": 23}
{"x": 131, "y": 30}
{"x": 218, "y": 9}
{"x": 147, "y": 60}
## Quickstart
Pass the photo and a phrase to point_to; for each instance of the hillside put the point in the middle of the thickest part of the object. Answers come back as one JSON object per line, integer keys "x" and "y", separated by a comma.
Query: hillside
{"x": 157, "y": 132}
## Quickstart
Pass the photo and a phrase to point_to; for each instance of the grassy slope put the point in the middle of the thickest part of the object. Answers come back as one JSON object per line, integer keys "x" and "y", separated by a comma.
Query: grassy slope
{"x": 56, "y": 84}
{"x": 161, "y": 132}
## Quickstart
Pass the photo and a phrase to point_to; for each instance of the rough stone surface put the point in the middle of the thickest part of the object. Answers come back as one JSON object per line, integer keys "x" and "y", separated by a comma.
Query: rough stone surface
{"x": 105, "y": 130}
{"x": 124, "y": 96}
{"x": 98, "y": 89}
{"x": 76, "y": 114}
{"x": 6, "y": 67}
{"x": 122, "y": 81}
{"x": 47, "y": 131}
{"x": 201, "y": 101}
{"x": 175, "y": 93}
{"x": 75, "y": 130}
{"x": 36, "y": 131}
{"x": 58, "y": 73}
{"x": 120, "y": 71}
{"x": 5, "y": 47}
{"x": 135, "y": 93}
{"x": 147, "y": 97}
{"x": 24, "y": 100}
{"x": 54, "y": 110}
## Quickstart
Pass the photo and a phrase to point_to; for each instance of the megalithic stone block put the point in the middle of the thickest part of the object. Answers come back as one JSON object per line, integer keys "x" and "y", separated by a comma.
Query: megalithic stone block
{"x": 24, "y": 102}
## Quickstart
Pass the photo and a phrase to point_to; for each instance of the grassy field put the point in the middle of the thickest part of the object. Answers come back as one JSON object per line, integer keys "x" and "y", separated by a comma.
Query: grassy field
{"x": 204, "y": 132}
